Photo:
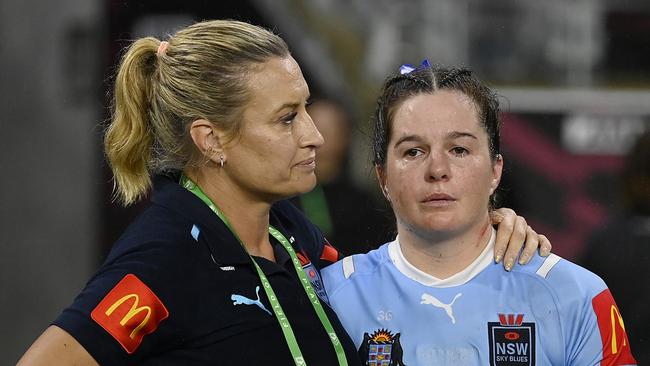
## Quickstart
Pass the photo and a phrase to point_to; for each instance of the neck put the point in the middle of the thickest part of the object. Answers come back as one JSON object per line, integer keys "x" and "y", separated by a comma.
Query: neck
{"x": 248, "y": 217}
{"x": 443, "y": 254}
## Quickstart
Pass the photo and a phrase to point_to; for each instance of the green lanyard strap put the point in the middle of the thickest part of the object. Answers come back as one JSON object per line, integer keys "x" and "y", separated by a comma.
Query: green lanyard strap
{"x": 289, "y": 336}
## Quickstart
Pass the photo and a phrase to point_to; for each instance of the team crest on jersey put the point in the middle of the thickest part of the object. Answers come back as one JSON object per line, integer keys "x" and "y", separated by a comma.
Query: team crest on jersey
{"x": 512, "y": 342}
{"x": 381, "y": 348}
{"x": 313, "y": 275}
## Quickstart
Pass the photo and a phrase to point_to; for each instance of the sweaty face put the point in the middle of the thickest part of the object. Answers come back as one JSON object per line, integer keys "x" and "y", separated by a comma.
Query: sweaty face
{"x": 438, "y": 171}
{"x": 274, "y": 155}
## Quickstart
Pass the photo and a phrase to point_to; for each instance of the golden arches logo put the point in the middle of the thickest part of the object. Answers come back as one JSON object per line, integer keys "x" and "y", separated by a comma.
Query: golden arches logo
{"x": 615, "y": 315}
{"x": 134, "y": 311}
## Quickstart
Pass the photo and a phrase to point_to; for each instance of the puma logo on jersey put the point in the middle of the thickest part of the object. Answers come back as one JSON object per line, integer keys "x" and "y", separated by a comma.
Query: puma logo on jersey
{"x": 243, "y": 300}
{"x": 431, "y": 300}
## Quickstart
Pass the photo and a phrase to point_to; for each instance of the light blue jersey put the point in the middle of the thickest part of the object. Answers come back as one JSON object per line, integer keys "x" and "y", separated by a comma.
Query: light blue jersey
{"x": 549, "y": 312}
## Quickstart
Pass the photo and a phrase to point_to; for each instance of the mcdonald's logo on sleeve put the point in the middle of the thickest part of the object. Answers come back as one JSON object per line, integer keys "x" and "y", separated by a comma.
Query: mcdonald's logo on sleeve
{"x": 616, "y": 346}
{"x": 129, "y": 312}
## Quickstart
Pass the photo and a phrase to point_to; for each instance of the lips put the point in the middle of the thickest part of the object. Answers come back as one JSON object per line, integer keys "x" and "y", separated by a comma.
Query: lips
{"x": 308, "y": 162}
{"x": 438, "y": 197}
{"x": 438, "y": 200}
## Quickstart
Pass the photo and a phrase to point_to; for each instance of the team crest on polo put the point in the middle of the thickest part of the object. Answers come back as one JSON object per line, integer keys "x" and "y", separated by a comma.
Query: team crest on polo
{"x": 512, "y": 342}
{"x": 313, "y": 275}
{"x": 381, "y": 348}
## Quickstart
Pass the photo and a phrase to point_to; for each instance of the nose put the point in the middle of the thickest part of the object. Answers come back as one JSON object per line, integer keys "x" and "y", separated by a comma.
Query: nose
{"x": 310, "y": 136}
{"x": 438, "y": 167}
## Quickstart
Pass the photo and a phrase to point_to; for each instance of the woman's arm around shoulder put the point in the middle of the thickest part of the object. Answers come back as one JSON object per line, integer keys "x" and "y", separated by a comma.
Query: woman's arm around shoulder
{"x": 515, "y": 238}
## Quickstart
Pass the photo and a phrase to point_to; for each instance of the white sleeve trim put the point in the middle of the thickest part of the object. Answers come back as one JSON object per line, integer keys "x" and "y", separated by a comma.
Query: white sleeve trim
{"x": 548, "y": 264}
{"x": 348, "y": 266}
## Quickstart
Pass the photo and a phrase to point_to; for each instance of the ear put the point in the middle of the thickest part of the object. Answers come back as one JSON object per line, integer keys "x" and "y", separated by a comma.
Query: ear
{"x": 207, "y": 139}
{"x": 381, "y": 178}
{"x": 497, "y": 170}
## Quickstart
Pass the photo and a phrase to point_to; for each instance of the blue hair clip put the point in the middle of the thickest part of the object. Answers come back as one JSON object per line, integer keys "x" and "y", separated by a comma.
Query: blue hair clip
{"x": 407, "y": 68}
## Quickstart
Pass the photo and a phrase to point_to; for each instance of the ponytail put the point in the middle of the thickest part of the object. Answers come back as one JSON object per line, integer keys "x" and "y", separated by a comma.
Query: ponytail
{"x": 128, "y": 139}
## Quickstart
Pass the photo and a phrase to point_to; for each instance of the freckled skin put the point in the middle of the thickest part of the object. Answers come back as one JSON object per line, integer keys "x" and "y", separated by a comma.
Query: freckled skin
{"x": 264, "y": 161}
{"x": 443, "y": 150}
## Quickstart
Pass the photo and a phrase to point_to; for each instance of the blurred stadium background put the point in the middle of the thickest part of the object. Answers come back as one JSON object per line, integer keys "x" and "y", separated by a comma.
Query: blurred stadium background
{"x": 574, "y": 76}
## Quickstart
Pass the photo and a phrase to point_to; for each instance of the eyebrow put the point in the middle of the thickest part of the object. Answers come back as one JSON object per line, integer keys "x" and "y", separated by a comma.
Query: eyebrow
{"x": 452, "y": 135}
{"x": 286, "y": 105}
{"x": 407, "y": 138}
{"x": 457, "y": 134}
{"x": 291, "y": 105}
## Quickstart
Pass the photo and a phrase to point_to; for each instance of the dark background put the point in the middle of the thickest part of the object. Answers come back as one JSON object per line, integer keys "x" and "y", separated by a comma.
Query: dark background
{"x": 574, "y": 77}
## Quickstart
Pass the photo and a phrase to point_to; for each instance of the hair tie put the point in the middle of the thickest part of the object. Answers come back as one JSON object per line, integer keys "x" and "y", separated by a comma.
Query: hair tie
{"x": 407, "y": 68}
{"x": 162, "y": 48}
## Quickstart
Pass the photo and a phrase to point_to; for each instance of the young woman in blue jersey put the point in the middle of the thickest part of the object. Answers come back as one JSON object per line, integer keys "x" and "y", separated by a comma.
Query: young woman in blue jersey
{"x": 218, "y": 269}
{"x": 434, "y": 296}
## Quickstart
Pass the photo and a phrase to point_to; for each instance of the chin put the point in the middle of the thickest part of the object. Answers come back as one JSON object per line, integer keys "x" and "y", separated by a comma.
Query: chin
{"x": 440, "y": 224}
{"x": 298, "y": 188}
{"x": 309, "y": 184}
{"x": 441, "y": 219}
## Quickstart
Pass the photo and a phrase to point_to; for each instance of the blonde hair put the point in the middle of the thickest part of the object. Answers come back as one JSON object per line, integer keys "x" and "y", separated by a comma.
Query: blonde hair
{"x": 201, "y": 75}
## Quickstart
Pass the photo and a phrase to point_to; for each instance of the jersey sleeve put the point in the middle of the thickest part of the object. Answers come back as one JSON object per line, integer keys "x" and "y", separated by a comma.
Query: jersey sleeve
{"x": 333, "y": 276}
{"x": 594, "y": 330}
{"x": 616, "y": 349}
{"x": 126, "y": 311}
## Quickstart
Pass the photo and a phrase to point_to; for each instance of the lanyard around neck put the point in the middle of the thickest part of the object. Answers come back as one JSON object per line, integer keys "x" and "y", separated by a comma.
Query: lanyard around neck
{"x": 289, "y": 336}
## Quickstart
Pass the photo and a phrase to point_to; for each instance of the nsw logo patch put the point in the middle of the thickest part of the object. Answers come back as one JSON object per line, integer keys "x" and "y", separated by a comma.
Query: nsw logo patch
{"x": 129, "y": 312}
{"x": 313, "y": 275}
{"x": 511, "y": 341}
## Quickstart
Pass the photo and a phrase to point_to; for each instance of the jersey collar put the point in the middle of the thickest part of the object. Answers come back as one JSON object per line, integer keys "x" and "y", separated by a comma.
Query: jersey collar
{"x": 223, "y": 245}
{"x": 481, "y": 262}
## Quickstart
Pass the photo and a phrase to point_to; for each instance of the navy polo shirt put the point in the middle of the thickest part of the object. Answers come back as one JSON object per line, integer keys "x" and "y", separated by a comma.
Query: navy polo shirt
{"x": 178, "y": 289}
